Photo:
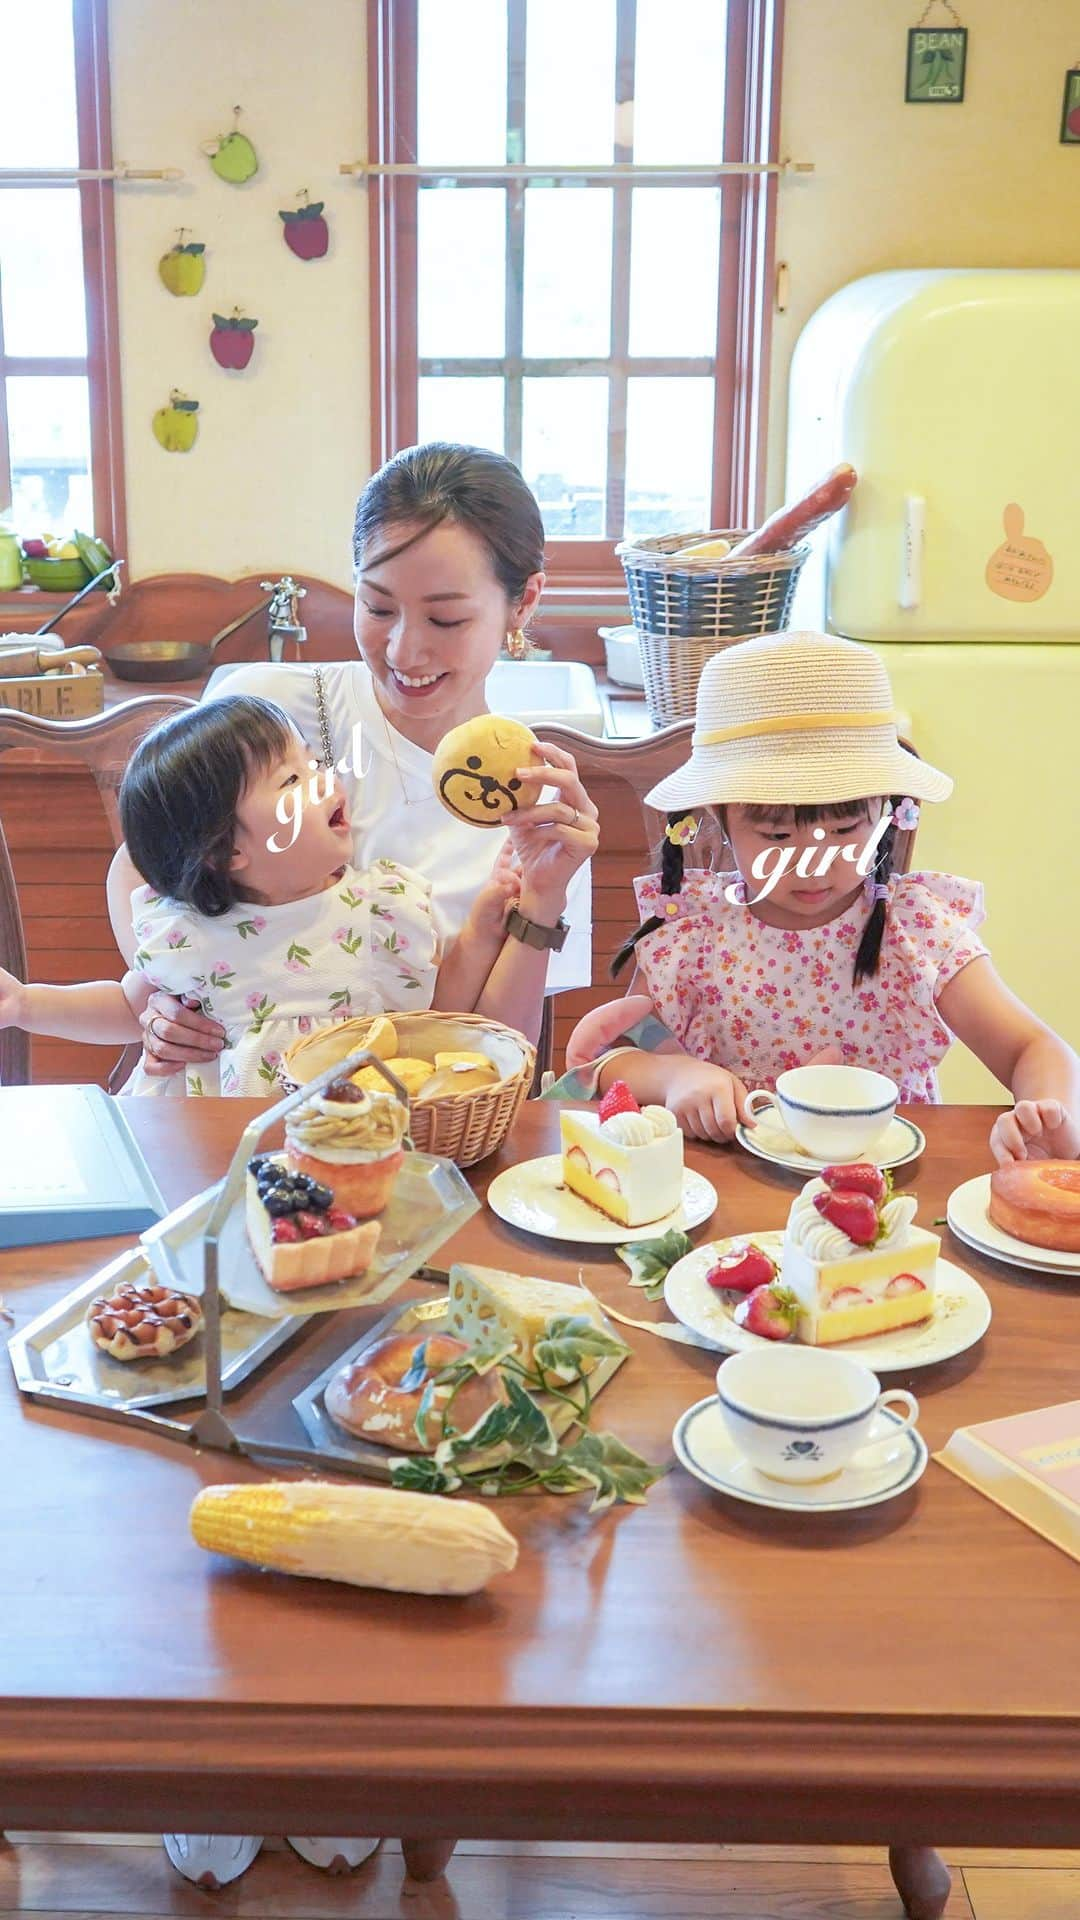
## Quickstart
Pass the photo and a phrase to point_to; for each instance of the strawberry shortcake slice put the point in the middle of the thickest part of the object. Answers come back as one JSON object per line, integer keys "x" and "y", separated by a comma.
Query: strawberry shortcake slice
{"x": 853, "y": 1261}
{"x": 624, "y": 1159}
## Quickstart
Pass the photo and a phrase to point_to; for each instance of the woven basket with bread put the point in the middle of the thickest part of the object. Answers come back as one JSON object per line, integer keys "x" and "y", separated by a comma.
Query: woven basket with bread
{"x": 466, "y": 1077}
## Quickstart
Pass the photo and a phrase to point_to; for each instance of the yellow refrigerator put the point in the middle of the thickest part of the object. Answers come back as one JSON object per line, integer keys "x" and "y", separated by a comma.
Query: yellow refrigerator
{"x": 955, "y": 394}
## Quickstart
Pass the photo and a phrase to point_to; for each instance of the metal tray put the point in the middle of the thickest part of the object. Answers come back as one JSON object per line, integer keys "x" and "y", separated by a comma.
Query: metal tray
{"x": 55, "y": 1359}
{"x": 429, "y": 1201}
{"x": 366, "y": 1456}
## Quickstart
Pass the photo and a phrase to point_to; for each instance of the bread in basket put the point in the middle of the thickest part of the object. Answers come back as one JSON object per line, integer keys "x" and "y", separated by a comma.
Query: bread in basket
{"x": 461, "y": 1109}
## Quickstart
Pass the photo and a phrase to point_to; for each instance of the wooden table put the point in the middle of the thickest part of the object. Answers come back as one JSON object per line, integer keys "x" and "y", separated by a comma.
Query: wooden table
{"x": 692, "y": 1670}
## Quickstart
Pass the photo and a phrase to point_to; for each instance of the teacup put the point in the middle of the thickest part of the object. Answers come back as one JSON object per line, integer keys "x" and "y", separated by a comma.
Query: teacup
{"x": 803, "y": 1413}
{"x": 835, "y": 1113}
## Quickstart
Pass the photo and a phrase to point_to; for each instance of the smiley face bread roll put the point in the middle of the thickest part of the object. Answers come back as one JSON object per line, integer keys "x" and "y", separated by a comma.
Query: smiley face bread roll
{"x": 475, "y": 770}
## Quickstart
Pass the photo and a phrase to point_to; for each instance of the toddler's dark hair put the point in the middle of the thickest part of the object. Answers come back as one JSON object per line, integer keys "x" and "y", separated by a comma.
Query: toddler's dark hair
{"x": 671, "y": 877}
{"x": 181, "y": 791}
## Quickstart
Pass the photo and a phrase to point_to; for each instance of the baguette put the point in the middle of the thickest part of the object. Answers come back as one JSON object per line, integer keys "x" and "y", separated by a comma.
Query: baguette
{"x": 792, "y": 523}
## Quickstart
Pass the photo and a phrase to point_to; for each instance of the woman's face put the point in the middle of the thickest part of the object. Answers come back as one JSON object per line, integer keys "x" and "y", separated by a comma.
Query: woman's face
{"x": 430, "y": 624}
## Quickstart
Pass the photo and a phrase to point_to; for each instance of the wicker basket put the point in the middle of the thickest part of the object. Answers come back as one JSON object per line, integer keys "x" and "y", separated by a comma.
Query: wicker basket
{"x": 463, "y": 1127}
{"x": 685, "y": 611}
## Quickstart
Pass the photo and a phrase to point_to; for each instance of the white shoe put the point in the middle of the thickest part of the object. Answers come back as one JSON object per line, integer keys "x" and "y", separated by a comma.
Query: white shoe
{"x": 211, "y": 1860}
{"x": 333, "y": 1856}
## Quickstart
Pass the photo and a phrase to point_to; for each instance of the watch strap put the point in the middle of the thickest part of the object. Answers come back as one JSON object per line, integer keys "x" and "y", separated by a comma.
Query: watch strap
{"x": 532, "y": 934}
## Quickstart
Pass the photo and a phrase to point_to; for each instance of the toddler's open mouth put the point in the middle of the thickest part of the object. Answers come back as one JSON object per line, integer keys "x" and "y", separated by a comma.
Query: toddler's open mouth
{"x": 339, "y": 818}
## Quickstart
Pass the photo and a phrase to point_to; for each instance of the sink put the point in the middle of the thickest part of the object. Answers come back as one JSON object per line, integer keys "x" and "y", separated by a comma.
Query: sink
{"x": 542, "y": 691}
{"x": 536, "y": 691}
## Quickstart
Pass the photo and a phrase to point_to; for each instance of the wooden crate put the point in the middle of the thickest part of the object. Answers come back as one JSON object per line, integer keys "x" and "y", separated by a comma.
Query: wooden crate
{"x": 57, "y": 697}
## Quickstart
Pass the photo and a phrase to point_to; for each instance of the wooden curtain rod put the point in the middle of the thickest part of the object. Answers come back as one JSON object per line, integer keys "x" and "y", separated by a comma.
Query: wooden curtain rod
{"x": 409, "y": 171}
{"x": 68, "y": 176}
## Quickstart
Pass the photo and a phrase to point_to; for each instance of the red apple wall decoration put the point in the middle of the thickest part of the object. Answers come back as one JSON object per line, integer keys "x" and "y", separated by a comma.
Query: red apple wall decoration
{"x": 306, "y": 231}
{"x": 232, "y": 341}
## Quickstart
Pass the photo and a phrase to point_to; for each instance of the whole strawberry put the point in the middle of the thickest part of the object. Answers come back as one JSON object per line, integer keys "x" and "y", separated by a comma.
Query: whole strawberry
{"x": 742, "y": 1269}
{"x": 854, "y": 1213}
{"x": 306, "y": 231}
{"x": 863, "y": 1178}
{"x": 232, "y": 341}
{"x": 769, "y": 1311}
{"x": 618, "y": 1099}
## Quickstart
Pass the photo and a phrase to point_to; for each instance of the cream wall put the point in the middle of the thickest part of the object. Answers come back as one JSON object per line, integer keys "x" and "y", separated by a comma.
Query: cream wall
{"x": 984, "y": 183}
{"x": 283, "y": 446}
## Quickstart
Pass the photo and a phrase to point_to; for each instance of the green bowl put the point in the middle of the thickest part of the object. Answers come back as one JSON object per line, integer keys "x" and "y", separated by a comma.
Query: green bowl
{"x": 58, "y": 576}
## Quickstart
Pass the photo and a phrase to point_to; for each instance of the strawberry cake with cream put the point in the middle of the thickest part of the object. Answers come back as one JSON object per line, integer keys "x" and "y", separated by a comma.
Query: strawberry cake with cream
{"x": 624, "y": 1159}
{"x": 854, "y": 1263}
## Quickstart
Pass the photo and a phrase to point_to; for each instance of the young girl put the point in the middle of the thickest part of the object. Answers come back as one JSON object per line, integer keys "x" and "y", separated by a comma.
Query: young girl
{"x": 793, "y": 955}
{"x": 253, "y": 911}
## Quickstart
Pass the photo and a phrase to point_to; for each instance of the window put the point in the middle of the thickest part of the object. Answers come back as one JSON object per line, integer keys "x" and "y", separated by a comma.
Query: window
{"x": 60, "y": 460}
{"x": 600, "y": 314}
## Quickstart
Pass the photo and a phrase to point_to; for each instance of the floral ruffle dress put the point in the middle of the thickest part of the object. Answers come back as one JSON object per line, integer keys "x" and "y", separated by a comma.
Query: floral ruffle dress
{"x": 365, "y": 945}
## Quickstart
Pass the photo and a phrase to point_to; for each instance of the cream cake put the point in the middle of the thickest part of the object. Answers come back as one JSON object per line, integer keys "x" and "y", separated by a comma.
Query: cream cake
{"x": 298, "y": 1234}
{"x": 854, "y": 1260}
{"x": 351, "y": 1141}
{"x": 488, "y": 1305}
{"x": 628, "y": 1163}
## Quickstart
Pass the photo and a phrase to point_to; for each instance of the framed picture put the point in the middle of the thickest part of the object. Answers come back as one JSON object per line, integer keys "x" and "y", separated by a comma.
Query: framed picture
{"x": 1070, "y": 109}
{"x": 936, "y": 59}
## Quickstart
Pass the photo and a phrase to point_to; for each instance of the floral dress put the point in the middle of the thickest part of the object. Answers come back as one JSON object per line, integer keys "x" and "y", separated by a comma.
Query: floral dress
{"x": 759, "y": 999}
{"x": 365, "y": 945}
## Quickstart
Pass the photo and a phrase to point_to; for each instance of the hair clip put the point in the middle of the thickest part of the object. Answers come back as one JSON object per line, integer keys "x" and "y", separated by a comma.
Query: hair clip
{"x": 682, "y": 832}
{"x": 906, "y": 816}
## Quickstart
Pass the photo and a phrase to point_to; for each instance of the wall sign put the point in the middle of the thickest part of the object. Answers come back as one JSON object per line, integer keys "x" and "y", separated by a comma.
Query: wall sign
{"x": 1070, "y": 109}
{"x": 937, "y": 58}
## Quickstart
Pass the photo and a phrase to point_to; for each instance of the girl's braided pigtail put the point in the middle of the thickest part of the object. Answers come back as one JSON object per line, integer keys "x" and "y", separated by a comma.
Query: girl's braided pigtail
{"x": 672, "y": 861}
{"x": 869, "y": 954}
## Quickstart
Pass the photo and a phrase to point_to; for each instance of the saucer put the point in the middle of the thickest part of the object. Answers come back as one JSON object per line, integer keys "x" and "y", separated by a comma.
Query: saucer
{"x": 770, "y": 1140}
{"x": 531, "y": 1196}
{"x": 961, "y": 1312}
{"x": 969, "y": 1218}
{"x": 706, "y": 1449}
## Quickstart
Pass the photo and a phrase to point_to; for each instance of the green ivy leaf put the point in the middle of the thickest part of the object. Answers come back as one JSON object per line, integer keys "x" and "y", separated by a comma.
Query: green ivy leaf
{"x": 571, "y": 1346}
{"x": 650, "y": 1261}
{"x": 518, "y": 1424}
{"x": 416, "y": 1474}
{"x": 618, "y": 1473}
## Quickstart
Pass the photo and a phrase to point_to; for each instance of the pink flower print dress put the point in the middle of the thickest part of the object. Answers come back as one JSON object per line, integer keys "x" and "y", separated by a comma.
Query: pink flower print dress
{"x": 759, "y": 999}
{"x": 365, "y": 945}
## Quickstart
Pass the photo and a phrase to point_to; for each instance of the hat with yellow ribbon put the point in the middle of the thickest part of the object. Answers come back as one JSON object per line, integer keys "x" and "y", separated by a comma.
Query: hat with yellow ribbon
{"x": 796, "y": 719}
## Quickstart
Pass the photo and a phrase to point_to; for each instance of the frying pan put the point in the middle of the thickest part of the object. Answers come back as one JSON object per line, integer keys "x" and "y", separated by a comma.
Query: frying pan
{"x": 173, "y": 659}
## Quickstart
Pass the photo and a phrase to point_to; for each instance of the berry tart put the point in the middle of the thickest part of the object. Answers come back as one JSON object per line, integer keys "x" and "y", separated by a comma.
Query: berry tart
{"x": 299, "y": 1233}
{"x": 624, "y": 1159}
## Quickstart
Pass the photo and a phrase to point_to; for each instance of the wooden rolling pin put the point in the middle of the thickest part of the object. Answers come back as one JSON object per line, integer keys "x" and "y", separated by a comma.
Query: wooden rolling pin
{"x": 32, "y": 660}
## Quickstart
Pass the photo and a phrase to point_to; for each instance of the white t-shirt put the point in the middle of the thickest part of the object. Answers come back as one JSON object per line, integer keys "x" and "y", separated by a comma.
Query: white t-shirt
{"x": 393, "y": 807}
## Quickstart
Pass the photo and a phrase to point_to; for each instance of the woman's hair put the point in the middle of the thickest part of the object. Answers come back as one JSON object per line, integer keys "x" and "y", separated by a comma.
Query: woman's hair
{"x": 467, "y": 486}
{"x": 672, "y": 861}
{"x": 182, "y": 789}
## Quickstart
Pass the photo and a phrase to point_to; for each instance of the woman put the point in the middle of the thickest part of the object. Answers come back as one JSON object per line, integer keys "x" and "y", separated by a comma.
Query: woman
{"x": 448, "y": 550}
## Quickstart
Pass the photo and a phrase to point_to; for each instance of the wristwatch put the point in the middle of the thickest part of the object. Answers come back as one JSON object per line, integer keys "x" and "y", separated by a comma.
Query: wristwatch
{"x": 532, "y": 934}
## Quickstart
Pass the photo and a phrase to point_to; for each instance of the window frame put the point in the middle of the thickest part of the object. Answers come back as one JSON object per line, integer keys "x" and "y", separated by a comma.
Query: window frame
{"x": 745, "y": 303}
{"x": 100, "y": 365}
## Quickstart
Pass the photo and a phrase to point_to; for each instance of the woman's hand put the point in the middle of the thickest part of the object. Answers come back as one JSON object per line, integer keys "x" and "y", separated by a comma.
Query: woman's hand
{"x": 707, "y": 1101}
{"x": 12, "y": 995}
{"x": 554, "y": 839}
{"x": 500, "y": 892}
{"x": 1035, "y": 1130}
{"x": 175, "y": 1033}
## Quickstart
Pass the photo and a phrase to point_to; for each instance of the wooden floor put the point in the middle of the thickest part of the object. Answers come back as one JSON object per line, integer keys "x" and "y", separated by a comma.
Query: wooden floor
{"x": 68, "y": 1874}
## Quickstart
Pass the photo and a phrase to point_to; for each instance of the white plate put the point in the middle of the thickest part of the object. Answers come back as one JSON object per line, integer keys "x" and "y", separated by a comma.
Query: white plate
{"x": 532, "y": 1196}
{"x": 902, "y": 1141}
{"x": 961, "y": 1312}
{"x": 706, "y": 1450}
{"x": 968, "y": 1216}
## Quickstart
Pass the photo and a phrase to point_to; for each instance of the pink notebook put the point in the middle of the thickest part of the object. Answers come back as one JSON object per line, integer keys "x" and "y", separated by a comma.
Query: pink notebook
{"x": 1030, "y": 1465}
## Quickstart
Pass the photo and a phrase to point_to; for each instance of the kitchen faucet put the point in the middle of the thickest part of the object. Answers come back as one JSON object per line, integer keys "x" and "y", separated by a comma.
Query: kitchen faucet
{"x": 283, "y": 621}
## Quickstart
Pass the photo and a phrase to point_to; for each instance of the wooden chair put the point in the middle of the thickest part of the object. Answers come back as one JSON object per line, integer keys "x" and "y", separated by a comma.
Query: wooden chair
{"x": 618, "y": 774}
{"x": 105, "y": 745}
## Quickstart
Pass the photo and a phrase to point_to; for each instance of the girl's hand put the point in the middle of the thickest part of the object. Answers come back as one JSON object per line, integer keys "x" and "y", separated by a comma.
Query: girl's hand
{"x": 11, "y": 1000}
{"x": 707, "y": 1101}
{"x": 1035, "y": 1130}
{"x": 554, "y": 839}
{"x": 174, "y": 1033}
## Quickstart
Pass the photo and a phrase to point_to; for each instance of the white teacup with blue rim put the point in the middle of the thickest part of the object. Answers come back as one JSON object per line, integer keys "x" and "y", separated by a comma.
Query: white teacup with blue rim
{"x": 804, "y": 1413}
{"x": 833, "y": 1113}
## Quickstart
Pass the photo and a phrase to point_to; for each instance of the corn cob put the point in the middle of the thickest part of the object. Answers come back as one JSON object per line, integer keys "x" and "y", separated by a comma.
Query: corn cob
{"x": 367, "y": 1536}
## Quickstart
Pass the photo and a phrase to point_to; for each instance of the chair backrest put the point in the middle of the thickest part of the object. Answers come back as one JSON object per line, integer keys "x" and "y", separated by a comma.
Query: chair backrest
{"x": 105, "y": 745}
{"x": 618, "y": 775}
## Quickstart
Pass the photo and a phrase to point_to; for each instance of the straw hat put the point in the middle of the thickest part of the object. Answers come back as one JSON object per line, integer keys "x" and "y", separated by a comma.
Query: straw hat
{"x": 797, "y": 719}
